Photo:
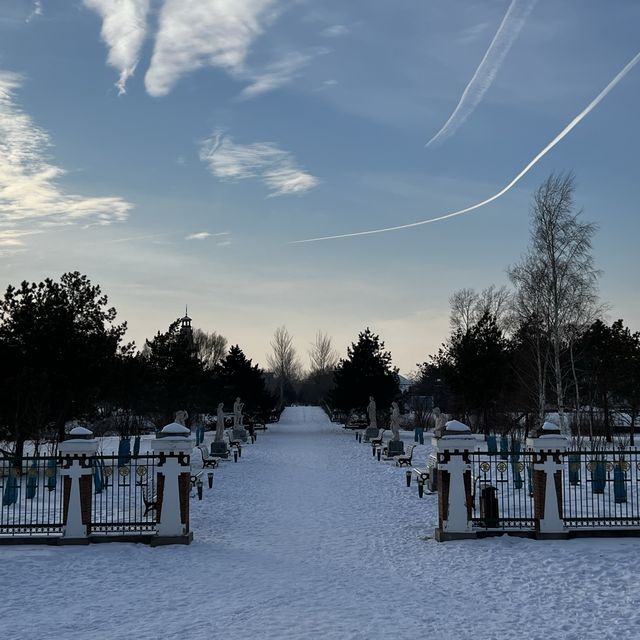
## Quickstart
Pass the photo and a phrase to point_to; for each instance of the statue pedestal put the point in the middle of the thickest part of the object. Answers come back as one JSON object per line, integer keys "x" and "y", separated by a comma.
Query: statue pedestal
{"x": 240, "y": 433}
{"x": 219, "y": 449}
{"x": 395, "y": 448}
{"x": 371, "y": 432}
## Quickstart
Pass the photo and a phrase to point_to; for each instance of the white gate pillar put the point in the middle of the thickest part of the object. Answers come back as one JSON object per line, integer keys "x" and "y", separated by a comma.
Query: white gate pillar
{"x": 454, "y": 481}
{"x": 173, "y": 446}
{"x": 76, "y": 470}
{"x": 548, "y": 450}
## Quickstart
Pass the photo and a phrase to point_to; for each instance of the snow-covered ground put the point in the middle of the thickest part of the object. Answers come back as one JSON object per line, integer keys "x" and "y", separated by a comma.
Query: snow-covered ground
{"x": 309, "y": 536}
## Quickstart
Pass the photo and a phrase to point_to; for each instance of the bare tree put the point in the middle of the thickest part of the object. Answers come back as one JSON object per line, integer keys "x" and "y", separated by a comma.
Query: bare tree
{"x": 322, "y": 355}
{"x": 283, "y": 360}
{"x": 526, "y": 304}
{"x": 557, "y": 279}
{"x": 467, "y": 307}
{"x": 462, "y": 305}
{"x": 210, "y": 347}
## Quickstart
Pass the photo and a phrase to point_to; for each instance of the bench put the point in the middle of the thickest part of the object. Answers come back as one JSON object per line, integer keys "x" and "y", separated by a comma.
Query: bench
{"x": 150, "y": 498}
{"x": 404, "y": 459}
{"x": 425, "y": 476}
{"x": 207, "y": 460}
{"x": 194, "y": 477}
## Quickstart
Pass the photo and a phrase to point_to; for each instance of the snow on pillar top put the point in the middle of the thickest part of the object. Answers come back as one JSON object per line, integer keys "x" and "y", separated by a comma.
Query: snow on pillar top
{"x": 79, "y": 433}
{"x": 456, "y": 428}
{"x": 174, "y": 429}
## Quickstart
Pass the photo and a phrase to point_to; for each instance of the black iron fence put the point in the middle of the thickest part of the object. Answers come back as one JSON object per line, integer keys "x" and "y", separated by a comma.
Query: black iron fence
{"x": 123, "y": 496}
{"x": 595, "y": 489}
{"x": 32, "y": 497}
{"x": 501, "y": 490}
{"x": 601, "y": 489}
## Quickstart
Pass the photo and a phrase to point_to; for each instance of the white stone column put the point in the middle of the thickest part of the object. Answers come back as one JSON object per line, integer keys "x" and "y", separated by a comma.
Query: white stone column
{"x": 454, "y": 480}
{"x": 173, "y": 446}
{"x": 548, "y": 450}
{"x": 77, "y": 453}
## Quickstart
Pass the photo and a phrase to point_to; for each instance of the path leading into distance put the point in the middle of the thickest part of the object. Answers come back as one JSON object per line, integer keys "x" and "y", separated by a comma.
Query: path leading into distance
{"x": 308, "y": 536}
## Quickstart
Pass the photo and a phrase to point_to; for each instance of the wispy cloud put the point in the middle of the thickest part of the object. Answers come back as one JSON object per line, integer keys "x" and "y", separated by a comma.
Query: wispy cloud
{"x": 203, "y": 235}
{"x": 29, "y": 189}
{"x": 124, "y": 25}
{"x": 265, "y": 161}
{"x": 507, "y": 32}
{"x": 550, "y": 145}
{"x": 335, "y": 31}
{"x": 197, "y": 33}
{"x": 11, "y": 240}
{"x": 276, "y": 75}
{"x": 36, "y": 12}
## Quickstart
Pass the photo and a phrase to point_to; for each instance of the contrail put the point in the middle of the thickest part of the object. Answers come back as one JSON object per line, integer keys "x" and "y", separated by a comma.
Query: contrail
{"x": 592, "y": 105}
{"x": 507, "y": 32}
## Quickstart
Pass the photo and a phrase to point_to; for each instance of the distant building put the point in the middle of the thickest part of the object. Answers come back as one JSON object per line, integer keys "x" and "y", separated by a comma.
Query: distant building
{"x": 186, "y": 332}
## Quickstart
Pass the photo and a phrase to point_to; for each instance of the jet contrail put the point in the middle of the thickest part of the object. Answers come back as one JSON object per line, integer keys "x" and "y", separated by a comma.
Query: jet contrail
{"x": 592, "y": 105}
{"x": 507, "y": 32}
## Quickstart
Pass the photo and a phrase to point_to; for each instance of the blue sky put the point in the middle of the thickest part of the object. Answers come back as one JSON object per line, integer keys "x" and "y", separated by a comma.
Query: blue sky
{"x": 171, "y": 149}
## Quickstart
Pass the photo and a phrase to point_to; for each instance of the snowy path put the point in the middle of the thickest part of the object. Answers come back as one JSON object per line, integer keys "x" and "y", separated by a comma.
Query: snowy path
{"x": 308, "y": 536}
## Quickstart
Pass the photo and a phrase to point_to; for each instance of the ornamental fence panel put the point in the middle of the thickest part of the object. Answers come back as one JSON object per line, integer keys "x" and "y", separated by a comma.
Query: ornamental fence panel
{"x": 124, "y": 496}
{"x": 32, "y": 497}
{"x": 601, "y": 489}
{"x": 596, "y": 490}
{"x": 502, "y": 490}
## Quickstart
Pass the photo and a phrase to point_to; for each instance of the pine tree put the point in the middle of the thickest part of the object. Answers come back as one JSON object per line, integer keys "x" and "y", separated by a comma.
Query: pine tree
{"x": 366, "y": 371}
{"x": 237, "y": 376}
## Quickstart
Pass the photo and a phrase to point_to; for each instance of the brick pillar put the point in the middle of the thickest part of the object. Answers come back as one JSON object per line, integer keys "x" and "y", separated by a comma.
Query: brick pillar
{"x": 76, "y": 455}
{"x": 454, "y": 481}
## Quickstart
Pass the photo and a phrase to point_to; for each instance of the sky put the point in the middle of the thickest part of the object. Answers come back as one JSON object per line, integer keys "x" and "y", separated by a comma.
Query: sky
{"x": 175, "y": 151}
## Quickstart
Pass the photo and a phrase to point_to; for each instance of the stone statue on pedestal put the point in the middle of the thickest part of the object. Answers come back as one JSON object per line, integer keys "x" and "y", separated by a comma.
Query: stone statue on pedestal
{"x": 395, "y": 446}
{"x": 239, "y": 432}
{"x": 395, "y": 421}
{"x": 371, "y": 412}
{"x": 372, "y": 429}
{"x": 237, "y": 412}
{"x": 219, "y": 437}
{"x": 219, "y": 445}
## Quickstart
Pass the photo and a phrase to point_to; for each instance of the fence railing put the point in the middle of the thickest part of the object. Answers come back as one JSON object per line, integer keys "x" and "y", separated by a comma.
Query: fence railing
{"x": 125, "y": 494}
{"x": 545, "y": 489}
{"x": 32, "y": 493}
{"x": 114, "y": 496}
{"x": 601, "y": 489}
{"x": 501, "y": 490}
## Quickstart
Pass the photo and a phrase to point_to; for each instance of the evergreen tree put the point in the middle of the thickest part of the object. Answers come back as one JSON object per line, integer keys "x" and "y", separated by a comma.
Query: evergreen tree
{"x": 366, "y": 371}
{"x": 475, "y": 364}
{"x": 237, "y": 376}
{"x": 178, "y": 375}
{"x": 58, "y": 341}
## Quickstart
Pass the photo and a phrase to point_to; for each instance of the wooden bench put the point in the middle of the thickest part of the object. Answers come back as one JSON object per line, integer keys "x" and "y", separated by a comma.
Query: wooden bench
{"x": 405, "y": 459}
{"x": 207, "y": 460}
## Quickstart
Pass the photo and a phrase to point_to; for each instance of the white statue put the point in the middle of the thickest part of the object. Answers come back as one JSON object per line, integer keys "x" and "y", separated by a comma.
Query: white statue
{"x": 371, "y": 411}
{"x": 395, "y": 421}
{"x": 219, "y": 437}
{"x": 241, "y": 414}
{"x": 237, "y": 412}
{"x": 181, "y": 417}
{"x": 439, "y": 422}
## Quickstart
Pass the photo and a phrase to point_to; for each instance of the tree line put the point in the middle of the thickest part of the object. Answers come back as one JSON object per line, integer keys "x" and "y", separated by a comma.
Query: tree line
{"x": 513, "y": 355}
{"x": 543, "y": 346}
